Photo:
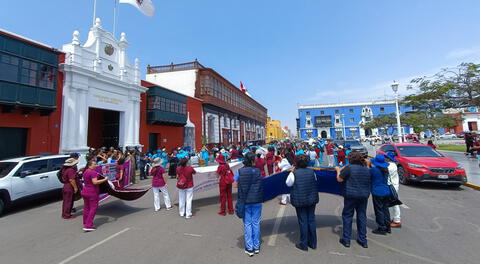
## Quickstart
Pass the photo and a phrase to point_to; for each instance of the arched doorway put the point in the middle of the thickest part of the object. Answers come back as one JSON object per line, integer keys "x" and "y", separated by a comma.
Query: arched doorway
{"x": 368, "y": 132}
{"x": 323, "y": 134}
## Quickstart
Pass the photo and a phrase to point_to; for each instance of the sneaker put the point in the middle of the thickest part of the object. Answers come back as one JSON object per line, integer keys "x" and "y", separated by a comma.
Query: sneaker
{"x": 280, "y": 203}
{"x": 222, "y": 213}
{"x": 396, "y": 224}
{"x": 362, "y": 244}
{"x": 256, "y": 251}
{"x": 249, "y": 253}
{"x": 344, "y": 243}
{"x": 301, "y": 248}
{"x": 168, "y": 208}
{"x": 69, "y": 217}
{"x": 89, "y": 229}
{"x": 379, "y": 232}
{"x": 156, "y": 210}
{"x": 231, "y": 212}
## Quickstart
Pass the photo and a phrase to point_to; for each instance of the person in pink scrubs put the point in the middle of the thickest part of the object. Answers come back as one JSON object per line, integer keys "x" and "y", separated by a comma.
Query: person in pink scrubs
{"x": 70, "y": 187}
{"x": 90, "y": 194}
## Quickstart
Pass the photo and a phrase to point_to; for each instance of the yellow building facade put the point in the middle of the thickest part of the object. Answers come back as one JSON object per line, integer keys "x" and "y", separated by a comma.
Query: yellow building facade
{"x": 274, "y": 130}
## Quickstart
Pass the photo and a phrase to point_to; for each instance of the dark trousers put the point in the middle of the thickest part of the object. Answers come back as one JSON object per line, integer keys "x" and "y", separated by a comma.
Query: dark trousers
{"x": 469, "y": 145}
{"x": 68, "y": 198}
{"x": 307, "y": 225}
{"x": 225, "y": 197}
{"x": 142, "y": 173}
{"x": 382, "y": 215}
{"x": 358, "y": 205}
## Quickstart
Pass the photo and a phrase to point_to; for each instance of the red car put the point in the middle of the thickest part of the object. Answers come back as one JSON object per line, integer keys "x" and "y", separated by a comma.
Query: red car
{"x": 421, "y": 163}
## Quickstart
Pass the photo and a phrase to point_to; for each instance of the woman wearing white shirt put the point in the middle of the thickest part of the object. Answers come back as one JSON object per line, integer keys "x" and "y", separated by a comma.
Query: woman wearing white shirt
{"x": 393, "y": 180}
{"x": 285, "y": 164}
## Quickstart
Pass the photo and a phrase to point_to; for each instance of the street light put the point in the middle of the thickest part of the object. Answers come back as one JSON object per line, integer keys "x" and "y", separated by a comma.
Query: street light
{"x": 399, "y": 127}
{"x": 343, "y": 124}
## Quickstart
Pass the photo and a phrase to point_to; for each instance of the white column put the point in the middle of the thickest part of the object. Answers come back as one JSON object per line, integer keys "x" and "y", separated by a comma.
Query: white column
{"x": 82, "y": 121}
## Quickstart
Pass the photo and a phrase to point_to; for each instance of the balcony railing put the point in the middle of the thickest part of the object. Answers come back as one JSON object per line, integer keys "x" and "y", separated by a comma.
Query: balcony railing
{"x": 174, "y": 67}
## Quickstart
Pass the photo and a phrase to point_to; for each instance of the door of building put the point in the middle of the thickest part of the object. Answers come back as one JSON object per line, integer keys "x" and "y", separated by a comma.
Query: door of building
{"x": 13, "y": 142}
{"x": 103, "y": 128}
{"x": 472, "y": 126}
{"x": 324, "y": 134}
{"x": 152, "y": 142}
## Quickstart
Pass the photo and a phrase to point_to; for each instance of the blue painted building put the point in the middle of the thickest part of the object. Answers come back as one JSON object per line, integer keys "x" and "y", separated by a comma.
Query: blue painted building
{"x": 335, "y": 120}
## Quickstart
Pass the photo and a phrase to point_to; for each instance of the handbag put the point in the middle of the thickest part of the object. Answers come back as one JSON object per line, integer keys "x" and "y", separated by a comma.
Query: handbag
{"x": 393, "y": 197}
{"x": 240, "y": 205}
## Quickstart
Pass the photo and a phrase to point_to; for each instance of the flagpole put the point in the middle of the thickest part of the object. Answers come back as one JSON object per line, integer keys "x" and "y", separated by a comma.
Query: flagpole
{"x": 94, "y": 11}
{"x": 114, "y": 17}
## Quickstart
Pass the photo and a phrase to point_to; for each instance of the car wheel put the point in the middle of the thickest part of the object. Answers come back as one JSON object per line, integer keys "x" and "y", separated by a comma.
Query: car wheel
{"x": 402, "y": 176}
{"x": 2, "y": 206}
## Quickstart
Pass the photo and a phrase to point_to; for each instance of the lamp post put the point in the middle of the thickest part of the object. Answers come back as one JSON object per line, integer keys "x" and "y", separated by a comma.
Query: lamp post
{"x": 399, "y": 127}
{"x": 343, "y": 125}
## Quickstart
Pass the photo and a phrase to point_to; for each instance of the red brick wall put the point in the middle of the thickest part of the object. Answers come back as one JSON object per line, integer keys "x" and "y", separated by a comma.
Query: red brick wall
{"x": 173, "y": 134}
{"x": 194, "y": 107}
{"x": 43, "y": 131}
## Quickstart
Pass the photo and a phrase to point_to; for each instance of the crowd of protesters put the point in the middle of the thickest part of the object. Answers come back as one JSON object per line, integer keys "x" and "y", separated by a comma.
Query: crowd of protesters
{"x": 361, "y": 176}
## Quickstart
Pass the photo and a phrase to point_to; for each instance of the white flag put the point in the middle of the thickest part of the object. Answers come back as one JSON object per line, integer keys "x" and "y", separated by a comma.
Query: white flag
{"x": 145, "y": 6}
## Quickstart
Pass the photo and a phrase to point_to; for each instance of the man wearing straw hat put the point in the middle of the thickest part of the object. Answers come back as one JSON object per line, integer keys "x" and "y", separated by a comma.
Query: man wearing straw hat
{"x": 70, "y": 186}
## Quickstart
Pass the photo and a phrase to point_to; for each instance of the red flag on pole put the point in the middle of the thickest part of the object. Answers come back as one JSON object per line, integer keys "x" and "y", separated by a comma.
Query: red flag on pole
{"x": 242, "y": 87}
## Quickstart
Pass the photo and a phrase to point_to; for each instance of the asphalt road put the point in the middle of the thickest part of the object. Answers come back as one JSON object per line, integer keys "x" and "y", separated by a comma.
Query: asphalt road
{"x": 441, "y": 225}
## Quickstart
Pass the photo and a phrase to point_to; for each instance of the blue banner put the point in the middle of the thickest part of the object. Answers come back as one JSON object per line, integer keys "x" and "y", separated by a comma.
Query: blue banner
{"x": 274, "y": 185}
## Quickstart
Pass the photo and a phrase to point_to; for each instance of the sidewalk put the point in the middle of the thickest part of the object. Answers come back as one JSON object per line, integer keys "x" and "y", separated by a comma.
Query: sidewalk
{"x": 471, "y": 165}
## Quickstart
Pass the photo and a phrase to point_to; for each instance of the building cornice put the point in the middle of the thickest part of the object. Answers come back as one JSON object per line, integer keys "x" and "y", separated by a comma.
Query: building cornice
{"x": 314, "y": 106}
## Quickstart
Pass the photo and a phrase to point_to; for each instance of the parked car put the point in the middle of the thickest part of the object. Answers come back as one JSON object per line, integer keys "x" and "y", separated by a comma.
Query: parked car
{"x": 28, "y": 177}
{"x": 447, "y": 135}
{"x": 413, "y": 135}
{"x": 355, "y": 145}
{"x": 421, "y": 163}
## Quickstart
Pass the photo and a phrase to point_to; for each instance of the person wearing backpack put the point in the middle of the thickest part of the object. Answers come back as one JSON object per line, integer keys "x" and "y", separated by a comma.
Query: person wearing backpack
{"x": 185, "y": 188}
{"x": 225, "y": 176}
{"x": 70, "y": 186}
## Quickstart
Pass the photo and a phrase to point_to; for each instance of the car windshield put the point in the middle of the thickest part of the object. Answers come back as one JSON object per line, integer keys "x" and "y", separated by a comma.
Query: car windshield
{"x": 6, "y": 167}
{"x": 353, "y": 143}
{"x": 418, "y": 151}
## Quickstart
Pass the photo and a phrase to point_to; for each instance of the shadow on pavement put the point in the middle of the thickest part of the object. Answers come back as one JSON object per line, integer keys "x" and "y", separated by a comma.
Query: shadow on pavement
{"x": 289, "y": 227}
{"x": 115, "y": 209}
{"x": 29, "y": 204}
{"x": 433, "y": 186}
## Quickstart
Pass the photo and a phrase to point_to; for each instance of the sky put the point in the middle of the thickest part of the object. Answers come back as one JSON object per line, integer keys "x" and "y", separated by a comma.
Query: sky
{"x": 285, "y": 52}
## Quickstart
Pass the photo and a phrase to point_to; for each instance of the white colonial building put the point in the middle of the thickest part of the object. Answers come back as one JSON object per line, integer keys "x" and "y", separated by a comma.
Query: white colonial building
{"x": 101, "y": 95}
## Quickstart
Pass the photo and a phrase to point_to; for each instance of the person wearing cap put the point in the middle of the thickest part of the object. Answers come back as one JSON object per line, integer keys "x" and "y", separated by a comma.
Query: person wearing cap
{"x": 225, "y": 189}
{"x": 159, "y": 185}
{"x": 70, "y": 186}
{"x": 260, "y": 163}
{"x": 340, "y": 156}
{"x": 393, "y": 179}
{"x": 380, "y": 194}
{"x": 356, "y": 190}
{"x": 329, "y": 148}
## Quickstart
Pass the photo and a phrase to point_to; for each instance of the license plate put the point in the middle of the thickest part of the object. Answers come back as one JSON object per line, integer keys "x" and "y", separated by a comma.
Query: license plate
{"x": 443, "y": 177}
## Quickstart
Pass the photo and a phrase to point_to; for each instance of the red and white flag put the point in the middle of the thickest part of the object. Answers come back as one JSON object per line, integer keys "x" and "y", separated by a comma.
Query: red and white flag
{"x": 244, "y": 90}
{"x": 145, "y": 6}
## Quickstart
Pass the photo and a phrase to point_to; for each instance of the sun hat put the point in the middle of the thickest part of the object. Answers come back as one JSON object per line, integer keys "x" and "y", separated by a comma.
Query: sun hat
{"x": 379, "y": 161}
{"x": 157, "y": 162}
{"x": 70, "y": 162}
{"x": 220, "y": 159}
{"x": 391, "y": 156}
{"x": 340, "y": 147}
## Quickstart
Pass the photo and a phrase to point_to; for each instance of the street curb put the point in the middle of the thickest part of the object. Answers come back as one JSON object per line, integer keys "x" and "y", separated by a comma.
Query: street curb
{"x": 473, "y": 186}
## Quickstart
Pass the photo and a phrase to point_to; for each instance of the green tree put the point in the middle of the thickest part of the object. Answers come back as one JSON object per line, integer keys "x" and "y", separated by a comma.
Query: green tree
{"x": 382, "y": 122}
{"x": 422, "y": 121}
{"x": 450, "y": 88}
